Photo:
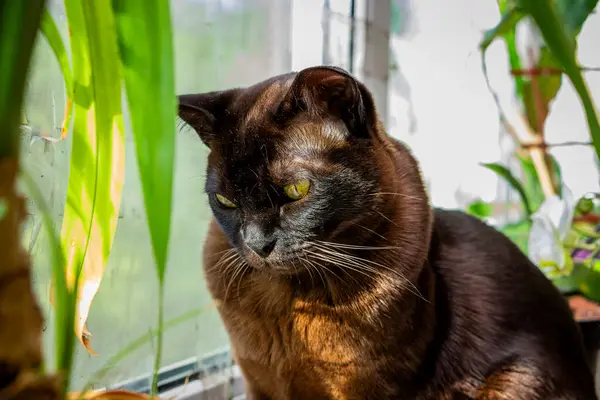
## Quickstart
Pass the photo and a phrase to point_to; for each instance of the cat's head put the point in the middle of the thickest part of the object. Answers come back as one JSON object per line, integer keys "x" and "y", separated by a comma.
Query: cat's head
{"x": 293, "y": 162}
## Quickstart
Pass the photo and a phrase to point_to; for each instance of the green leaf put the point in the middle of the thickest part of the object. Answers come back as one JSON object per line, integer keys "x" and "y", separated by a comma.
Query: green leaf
{"x": 566, "y": 284}
{"x": 536, "y": 97}
{"x": 531, "y": 182}
{"x": 146, "y": 50}
{"x": 554, "y": 271}
{"x": 558, "y": 37}
{"x": 19, "y": 23}
{"x": 574, "y": 13}
{"x": 505, "y": 174}
{"x": 518, "y": 232}
{"x": 57, "y": 45}
{"x": 589, "y": 283}
{"x": 556, "y": 172}
{"x": 3, "y": 208}
{"x": 585, "y": 205}
{"x": 511, "y": 16}
{"x": 150, "y": 85}
{"x": 63, "y": 298}
{"x": 507, "y": 24}
{"x": 536, "y": 101}
{"x": 480, "y": 209}
{"x": 96, "y": 169}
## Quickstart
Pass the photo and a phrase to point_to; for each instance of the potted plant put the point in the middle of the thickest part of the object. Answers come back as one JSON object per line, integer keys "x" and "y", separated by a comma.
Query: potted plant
{"x": 112, "y": 44}
{"x": 558, "y": 232}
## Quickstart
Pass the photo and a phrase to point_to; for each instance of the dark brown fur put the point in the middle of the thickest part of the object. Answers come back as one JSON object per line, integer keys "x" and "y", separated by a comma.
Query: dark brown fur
{"x": 454, "y": 310}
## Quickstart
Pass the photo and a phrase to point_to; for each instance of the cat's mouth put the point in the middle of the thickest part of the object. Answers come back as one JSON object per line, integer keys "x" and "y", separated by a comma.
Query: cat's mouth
{"x": 292, "y": 261}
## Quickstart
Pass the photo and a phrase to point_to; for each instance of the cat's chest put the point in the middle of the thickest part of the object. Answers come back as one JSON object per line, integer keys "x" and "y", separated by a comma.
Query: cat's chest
{"x": 296, "y": 334}
{"x": 283, "y": 353}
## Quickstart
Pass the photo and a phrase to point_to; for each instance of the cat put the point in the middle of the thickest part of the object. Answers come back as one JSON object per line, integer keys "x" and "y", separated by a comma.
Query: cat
{"x": 335, "y": 277}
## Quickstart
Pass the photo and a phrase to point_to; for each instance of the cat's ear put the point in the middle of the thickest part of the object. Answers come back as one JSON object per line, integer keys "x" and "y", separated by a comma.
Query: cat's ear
{"x": 204, "y": 112}
{"x": 331, "y": 91}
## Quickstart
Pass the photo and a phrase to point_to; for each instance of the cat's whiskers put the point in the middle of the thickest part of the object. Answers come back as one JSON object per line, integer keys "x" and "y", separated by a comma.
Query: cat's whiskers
{"x": 309, "y": 264}
{"x": 372, "y": 265}
{"x": 237, "y": 268}
{"x": 348, "y": 263}
{"x": 367, "y": 229}
{"x": 366, "y": 265}
{"x": 386, "y": 218}
{"x": 356, "y": 247}
{"x": 308, "y": 268}
{"x": 244, "y": 267}
{"x": 326, "y": 260}
{"x": 226, "y": 256}
{"x": 332, "y": 259}
{"x": 398, "y": 194}
{"x": 231, "y": 263}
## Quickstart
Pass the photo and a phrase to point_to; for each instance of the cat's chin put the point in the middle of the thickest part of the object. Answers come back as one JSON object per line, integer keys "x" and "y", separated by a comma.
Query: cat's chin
{"x": 282, "y": 265}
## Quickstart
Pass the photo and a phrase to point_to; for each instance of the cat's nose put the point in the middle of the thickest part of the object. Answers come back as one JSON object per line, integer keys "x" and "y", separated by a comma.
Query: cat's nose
{"x": 261, "y": 247}
{"x": 259, "y": 242}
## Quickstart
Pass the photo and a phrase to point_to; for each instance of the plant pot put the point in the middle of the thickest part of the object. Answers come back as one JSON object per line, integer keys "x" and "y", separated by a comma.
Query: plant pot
{"x": 587, "y": 315}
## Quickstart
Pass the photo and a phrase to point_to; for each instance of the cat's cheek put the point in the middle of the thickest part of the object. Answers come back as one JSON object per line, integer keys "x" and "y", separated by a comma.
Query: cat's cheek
{"x": 230, "y": 225}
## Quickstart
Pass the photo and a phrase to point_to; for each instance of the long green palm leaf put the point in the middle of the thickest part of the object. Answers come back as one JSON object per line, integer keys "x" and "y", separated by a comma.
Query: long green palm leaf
{"x": 96, "y": 170}
{"x": 149, "y": 83}
{"x": 52, "y": 35}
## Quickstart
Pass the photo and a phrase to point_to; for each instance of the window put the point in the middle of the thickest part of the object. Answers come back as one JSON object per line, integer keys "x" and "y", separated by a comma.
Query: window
{"x": 218, "y": 44}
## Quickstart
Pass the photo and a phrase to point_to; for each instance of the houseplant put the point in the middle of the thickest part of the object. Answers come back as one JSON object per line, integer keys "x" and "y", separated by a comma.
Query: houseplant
{"x": 112, "y": 44}
{"x": 558, "y": 232}
{"x": 537, "y": 66}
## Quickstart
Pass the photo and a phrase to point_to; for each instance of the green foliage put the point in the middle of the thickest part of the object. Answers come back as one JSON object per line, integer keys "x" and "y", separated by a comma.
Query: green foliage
{"x": 52, "y": 35}
{"x": 149, "y": 82}
{"x": 215, "y": 50}
{"x": 518, "y": 232}
{"x": 505, "y": 174}
{"x": 480, "y": 209}
{"x": 19, "y": 23}
{"x": 64, "y": 299}
{"x": 93, "y": 79}
{"x": 3, "y": 208}
{"x": 96, "y": 165}
{"x": 150, "y": 85}
{"x": 559, "y": 22}
{"x": 559, "y": 26}
{"x": 531, "y": 181}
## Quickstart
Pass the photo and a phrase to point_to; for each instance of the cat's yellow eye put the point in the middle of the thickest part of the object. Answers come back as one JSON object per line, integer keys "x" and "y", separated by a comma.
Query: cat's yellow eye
{"x": 224, "y": 201}
{"x": 297, "y": 190}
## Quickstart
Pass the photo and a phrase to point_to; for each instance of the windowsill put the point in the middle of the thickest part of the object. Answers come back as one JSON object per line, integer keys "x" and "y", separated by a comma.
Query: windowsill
{"x": 214, "y": 377}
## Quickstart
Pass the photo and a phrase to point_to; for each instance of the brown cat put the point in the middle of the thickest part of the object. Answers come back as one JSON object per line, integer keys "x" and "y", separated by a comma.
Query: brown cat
{"x": 335, "y": 277}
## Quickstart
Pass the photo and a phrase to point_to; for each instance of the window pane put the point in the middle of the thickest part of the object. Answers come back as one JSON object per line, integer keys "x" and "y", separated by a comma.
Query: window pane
{"x": 218, "y": 44}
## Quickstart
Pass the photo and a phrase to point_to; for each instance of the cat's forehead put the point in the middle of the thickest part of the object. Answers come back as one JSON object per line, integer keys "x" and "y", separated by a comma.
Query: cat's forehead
{"x": 256, "y": 104}
{"x": 267, "y": 152}
{"x": 257, "y": 149}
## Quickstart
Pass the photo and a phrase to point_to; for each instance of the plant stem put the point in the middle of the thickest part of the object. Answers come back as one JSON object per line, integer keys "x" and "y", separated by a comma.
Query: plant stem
{"x": 538, "y": 153}
{"x": 159, "y": 337}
